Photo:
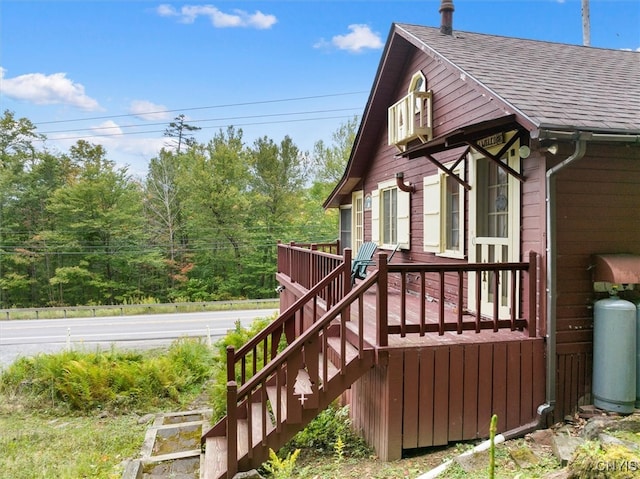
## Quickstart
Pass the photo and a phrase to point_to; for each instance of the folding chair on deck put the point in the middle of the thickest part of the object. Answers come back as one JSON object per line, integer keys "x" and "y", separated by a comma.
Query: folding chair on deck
{"x": 364, "y": 258}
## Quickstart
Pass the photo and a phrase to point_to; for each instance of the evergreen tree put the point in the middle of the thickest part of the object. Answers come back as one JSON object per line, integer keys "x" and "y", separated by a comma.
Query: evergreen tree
{"x": 181, "y": 133}
{"x": 98, "y": 226}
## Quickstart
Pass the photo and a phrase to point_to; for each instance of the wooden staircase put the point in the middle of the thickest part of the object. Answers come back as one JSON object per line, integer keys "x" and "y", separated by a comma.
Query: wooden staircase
{"x": 284, "y": 377}
{"x": 260, "y": 428}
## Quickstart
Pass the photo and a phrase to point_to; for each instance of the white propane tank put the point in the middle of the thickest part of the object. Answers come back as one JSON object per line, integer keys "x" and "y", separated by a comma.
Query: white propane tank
{"x": 614, "y": 355}
{"x": 638, "y": 353}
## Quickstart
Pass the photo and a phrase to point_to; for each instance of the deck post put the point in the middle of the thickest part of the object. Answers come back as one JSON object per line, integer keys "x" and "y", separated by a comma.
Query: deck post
{"x": 232, "y": 429}
{"x": 312, "y": 267}
{"x": 232, "y": 413}
{"x": 346, "y": 280}
{"x": 533, "y": 292}
{"x": 231, "y": 363}
{"x": 382, "y": 327}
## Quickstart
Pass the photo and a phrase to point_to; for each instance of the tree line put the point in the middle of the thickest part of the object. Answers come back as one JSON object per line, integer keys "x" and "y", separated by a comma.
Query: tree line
{"x": 202, "y": 225}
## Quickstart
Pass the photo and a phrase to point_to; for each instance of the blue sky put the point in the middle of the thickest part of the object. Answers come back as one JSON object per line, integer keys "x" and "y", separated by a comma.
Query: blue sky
{"x": 116, "y": 72}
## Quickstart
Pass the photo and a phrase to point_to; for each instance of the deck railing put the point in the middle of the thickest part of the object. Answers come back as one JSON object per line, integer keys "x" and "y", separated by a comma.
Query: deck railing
{"x": 266, "y": 364}
{"x": 304, "y": 266}
{"x": 308, "y": 264}
{"x": 522, "y": 291}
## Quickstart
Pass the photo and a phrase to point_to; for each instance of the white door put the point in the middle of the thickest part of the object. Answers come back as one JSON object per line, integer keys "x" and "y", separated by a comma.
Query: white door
{"x": 494, "y": 229}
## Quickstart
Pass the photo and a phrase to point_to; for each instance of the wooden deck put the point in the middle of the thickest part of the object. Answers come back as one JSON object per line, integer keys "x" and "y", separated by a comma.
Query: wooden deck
{"x": 435, "y": 389}
{"x": 412, "y": 310}
{"x": 417, "y": 369}
{"x": 440, "y": 371}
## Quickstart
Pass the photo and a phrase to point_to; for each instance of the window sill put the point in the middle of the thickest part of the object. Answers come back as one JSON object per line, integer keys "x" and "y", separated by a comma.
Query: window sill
{"x": 451, "y": 254}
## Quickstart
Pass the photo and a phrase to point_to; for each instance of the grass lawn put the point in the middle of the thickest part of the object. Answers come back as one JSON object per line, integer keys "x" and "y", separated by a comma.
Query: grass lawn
{"x": 66, "y": 447}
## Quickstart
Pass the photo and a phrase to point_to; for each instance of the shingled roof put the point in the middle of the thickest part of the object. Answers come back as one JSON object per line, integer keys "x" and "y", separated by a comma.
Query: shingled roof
{"x": 553, "y": 85}
{"x": 549, "y": 86}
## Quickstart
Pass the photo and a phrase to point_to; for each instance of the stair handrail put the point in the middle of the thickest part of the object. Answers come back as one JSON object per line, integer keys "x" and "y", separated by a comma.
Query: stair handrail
{"x": 315, "y": 329}
{"x": 285, "y": 316}
{"x": 236, "y": 395}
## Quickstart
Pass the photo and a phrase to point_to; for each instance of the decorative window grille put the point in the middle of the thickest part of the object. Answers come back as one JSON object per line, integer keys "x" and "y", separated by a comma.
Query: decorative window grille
{"x": 411, "y": 118}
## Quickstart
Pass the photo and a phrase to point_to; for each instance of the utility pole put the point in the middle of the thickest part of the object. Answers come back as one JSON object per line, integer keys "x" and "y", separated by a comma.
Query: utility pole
{"x": 586, "y": 30}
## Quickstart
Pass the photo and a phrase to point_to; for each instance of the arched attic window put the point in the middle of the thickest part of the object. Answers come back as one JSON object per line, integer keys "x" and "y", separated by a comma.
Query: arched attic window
{"x": 410, "y": 117}
{"x": 418, "y": 83}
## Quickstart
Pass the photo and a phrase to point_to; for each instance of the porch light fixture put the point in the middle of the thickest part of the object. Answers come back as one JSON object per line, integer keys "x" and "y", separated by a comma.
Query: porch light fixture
{"x": 524, "y": 151}
{"x": 551, "y": 148}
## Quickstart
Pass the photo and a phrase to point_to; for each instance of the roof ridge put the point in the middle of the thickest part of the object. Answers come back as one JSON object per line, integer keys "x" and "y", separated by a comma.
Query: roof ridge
{"x": 511, "y": 38}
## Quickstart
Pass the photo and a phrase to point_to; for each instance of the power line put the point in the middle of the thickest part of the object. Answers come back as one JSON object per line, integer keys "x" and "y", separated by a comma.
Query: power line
{"x": 260, "y": 102}
{"x": 114, "y": 135}
{"x": 201, "y": 121}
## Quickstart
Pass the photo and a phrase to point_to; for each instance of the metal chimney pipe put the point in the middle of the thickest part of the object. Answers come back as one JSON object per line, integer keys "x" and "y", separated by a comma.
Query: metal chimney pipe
{"x": 446, "y": 12}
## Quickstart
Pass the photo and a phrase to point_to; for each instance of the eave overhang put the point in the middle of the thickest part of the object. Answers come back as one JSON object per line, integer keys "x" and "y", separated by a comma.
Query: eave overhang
{"x": 469, "y": 136}
{"x": 465, "y": 136}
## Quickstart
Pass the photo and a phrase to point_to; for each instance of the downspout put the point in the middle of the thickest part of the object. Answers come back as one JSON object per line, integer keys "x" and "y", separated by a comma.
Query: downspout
{"x": 407, "y": 188}
{"x": 544, "y": 410}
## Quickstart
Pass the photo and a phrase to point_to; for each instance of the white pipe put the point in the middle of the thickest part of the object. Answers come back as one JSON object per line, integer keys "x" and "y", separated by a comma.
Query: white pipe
{"x": 551, "y": 286}
{"x": 483, "y": 446}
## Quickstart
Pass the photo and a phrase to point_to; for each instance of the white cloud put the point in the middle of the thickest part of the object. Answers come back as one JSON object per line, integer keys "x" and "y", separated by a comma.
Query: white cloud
{"x": 166, "y": 11}
{"x": 219, "y": 19}
{"x": 109, "y": 127}
{"x": 147, "y": 110}
{"x": 360, "y": 37}
{"x": 44, "y": 89}
{"x": 123, "y": 147}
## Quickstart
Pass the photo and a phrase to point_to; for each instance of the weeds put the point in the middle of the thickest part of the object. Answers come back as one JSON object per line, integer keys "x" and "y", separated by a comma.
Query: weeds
{"x": 108, "y": 380}
{"x": 338, "y": 447}
{"x": 492, "y": 448}
{"x": 331, "y": 427}
{"x": 281, "y": 468}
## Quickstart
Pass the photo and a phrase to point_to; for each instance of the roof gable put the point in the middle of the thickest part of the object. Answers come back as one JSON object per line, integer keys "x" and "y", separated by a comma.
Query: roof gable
{"x": 552, "y": 84}
{"x": 547, "y": 85}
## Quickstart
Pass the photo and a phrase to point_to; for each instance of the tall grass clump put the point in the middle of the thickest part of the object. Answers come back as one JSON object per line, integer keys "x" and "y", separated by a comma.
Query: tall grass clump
{"x": 109, "y": 380}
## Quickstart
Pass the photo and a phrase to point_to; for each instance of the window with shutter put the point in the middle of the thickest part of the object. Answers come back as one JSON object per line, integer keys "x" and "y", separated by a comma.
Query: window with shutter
{"x": 431, "y": 216}
{"x": 390, "y": 216}
{"x": 444, "y": 214}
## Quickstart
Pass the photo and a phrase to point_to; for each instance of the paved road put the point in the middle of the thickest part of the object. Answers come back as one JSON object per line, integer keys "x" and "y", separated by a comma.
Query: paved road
{"x": 26, "y": 338}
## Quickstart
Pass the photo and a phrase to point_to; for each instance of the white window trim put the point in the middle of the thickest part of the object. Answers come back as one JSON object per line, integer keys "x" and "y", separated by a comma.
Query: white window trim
{"x": 357, "y": 219}
{"x": 435, "y": 214}
{"x": 412, "y": 88}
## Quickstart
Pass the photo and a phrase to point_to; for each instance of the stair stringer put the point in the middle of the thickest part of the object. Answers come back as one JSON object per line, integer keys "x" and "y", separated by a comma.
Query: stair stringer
{"x": 275, "y": 439}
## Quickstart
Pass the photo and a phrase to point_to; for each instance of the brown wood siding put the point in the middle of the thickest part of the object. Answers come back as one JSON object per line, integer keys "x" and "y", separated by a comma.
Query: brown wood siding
{"x": 455, "y": 104}
{"x": 448, "y": 393}
{"x": 533, "y": 226}
{"x": 376, "y": 407}
{"x": 597, "y": 198}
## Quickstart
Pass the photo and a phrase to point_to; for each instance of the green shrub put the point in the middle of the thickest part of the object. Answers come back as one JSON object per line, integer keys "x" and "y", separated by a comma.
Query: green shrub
{"x": 236, "y": 338}
{"x": 330, "y": 433}
{"x": 110, "y": 380}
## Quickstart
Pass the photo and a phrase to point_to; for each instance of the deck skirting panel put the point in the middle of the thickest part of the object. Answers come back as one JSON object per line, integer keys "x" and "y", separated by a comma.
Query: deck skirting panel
{"x": 434, "y": 395}
{"x": 574, "y": 370}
